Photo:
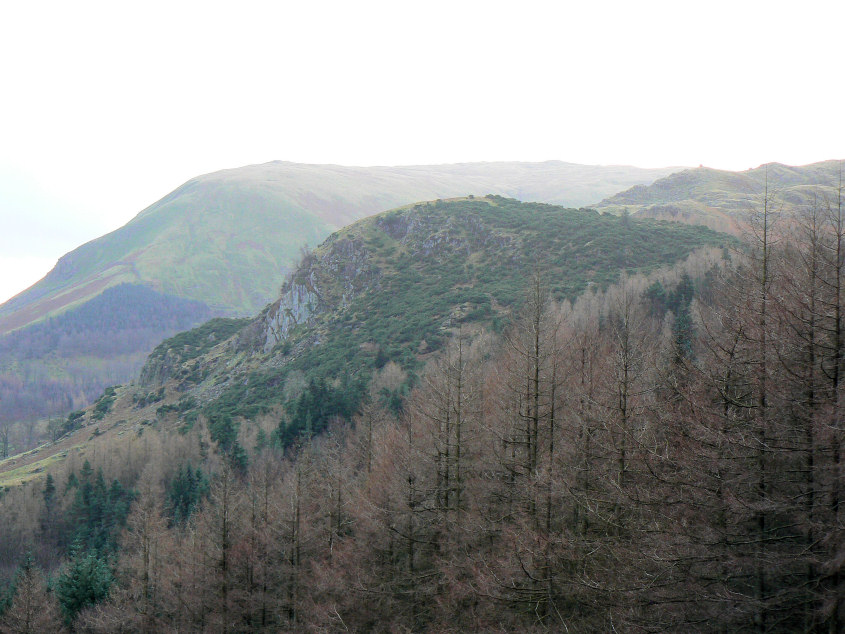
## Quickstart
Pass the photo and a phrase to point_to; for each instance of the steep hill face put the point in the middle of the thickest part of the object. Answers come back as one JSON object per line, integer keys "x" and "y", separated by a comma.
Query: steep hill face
{"x": 716, "y": 198}
{"x": 394, "y": 288}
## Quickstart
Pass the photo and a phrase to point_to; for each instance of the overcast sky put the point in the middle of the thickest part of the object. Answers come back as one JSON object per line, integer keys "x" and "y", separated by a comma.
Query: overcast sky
{"x": 106, "y": 107}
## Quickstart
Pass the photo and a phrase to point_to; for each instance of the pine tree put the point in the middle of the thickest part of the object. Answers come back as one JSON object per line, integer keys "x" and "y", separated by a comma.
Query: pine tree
{"x": 86, "y": 581}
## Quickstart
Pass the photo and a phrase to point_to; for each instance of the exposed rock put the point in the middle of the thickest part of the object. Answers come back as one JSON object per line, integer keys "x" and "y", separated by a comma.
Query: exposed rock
{"x": 328, "y": 281}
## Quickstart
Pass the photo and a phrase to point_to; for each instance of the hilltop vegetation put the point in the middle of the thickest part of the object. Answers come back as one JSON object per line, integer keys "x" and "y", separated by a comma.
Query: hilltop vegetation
{"x": 394, "y": 287}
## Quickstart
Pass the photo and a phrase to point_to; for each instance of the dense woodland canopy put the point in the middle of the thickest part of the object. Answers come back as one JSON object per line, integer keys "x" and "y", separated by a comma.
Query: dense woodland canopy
{"x": 659, "y": 456}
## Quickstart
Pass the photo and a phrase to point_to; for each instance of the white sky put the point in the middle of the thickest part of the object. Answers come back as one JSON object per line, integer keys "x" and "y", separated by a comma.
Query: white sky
{"x": 105, "y": 107}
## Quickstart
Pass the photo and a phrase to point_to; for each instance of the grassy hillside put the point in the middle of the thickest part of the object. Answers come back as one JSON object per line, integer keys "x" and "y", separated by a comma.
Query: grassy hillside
{"x": 717, "y": 197}
{"x": 228, "y": 238}
{"x": 220, "y": 243}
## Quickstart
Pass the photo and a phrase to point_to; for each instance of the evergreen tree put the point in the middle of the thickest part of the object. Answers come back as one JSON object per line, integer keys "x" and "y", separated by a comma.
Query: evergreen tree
{"x": 86, "y": 581}
{"x": 186, "y": 491}
{"x": 49, "y": 495}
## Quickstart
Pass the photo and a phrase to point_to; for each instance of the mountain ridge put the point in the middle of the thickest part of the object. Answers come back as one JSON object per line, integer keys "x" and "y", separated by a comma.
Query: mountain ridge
{"x": 389, "y": 290}
{"x": 289, "y": 204}
{"x": 718, "y": 198}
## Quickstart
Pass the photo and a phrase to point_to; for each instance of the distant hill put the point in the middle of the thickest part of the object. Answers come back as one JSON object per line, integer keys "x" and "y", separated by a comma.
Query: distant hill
{"x": 63, "y": 362}
{"x": 227, "y": 240}
{"x": 716, "y": 197}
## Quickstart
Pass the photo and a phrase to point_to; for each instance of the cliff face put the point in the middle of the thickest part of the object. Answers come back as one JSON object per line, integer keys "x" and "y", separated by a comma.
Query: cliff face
{"x": 295, "y": 306}
{"x": 324, "y": 282}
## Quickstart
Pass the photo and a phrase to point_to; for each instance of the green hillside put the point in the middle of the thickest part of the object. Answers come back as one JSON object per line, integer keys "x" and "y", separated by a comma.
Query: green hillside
{"x": 228, "y": 238}
{"x": 393, "y": 287}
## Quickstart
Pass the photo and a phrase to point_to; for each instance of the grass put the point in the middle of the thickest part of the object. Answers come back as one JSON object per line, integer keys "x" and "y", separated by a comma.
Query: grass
{"x": 30, "y": 471}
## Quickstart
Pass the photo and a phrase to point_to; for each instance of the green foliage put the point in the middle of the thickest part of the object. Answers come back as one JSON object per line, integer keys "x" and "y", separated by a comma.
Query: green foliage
{"x": 224, "y": 431}
{"x": 185, "y": 404}
{"x": 86, "y": 581}
{"x": 73, "y": 422}
{"x": 189, "y": 419}
{"x": 394, "y": 400}
{"x": 72, "y": 481}
{"x": 49, "y": 493}
{"x": 464, "y": 262}
{"x": 678, "y": 301}
{"x": 197, "y": 341}
{"x": 104, "y": 403}
{"x": 185, "y": 493}
{"x": 98, "y": 511}
{"x": 316, "y": 407}
{"x": 683, "y": 332}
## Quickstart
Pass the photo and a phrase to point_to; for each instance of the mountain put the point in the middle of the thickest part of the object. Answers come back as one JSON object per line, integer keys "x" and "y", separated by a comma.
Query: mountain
{"x": 390, "y": 289}
{"x": 716, "y": 198}
{"x": 395, "y": 288}
{"x": 414, "y": 438}
{"x": 227, "y": 240}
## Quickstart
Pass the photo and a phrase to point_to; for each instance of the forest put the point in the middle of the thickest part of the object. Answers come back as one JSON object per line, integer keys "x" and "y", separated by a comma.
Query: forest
{"x": 664, "y": 454}
{"x": 64, "y": 362}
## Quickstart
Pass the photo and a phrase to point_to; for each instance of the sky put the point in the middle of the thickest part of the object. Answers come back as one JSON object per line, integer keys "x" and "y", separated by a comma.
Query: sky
{"x": 105, "y": 107}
